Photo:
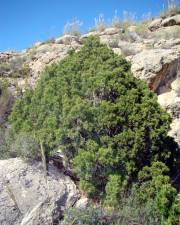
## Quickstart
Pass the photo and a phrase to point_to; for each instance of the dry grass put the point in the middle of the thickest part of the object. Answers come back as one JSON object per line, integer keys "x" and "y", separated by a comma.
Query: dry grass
{"x": 170, "y": 9}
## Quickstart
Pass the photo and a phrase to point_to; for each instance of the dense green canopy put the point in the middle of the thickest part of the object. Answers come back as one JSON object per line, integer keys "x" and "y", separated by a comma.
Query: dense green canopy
{"x": 106, "y": 121}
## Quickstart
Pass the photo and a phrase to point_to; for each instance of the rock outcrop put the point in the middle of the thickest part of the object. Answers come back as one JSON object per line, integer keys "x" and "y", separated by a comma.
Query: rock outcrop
{"x": 29, "y": 197}
{"x": 156, "y": 66}
{"x": 170, "y": 21}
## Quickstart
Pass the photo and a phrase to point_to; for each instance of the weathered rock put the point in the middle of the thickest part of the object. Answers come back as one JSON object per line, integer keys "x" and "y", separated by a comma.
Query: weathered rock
{"x": 155, "y": 24}
{"x": 171, "y": 21}
{"x": 45, "y": 55}
{"x": 118, "y": 51}
{"x": 167, "y": 44}
{"x": 92, "y": 33}
{"x": 175, "y": 130}
{"x": 67, "y": 39}
{"x": 156, "y": 66}
{"x": 82, "y": 203}
{"x": 27, "y": 196}
{"x": 110, "y": 31}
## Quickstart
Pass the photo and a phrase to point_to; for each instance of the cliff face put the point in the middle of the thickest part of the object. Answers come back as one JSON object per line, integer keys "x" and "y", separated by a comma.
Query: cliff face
{"x": 154, "y": 54}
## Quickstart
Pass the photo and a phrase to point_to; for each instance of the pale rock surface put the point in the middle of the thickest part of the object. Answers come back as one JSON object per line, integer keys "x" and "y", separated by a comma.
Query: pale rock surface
{"x": 66, "y": 39}
{"x": 92, "y": 33}
{"x": 82, "y": 203}
{"x": 171, "y": 21}
{"x": 154, "y": 66}
{"x": 46, "y": 55}
{"x": 28, "y": 197}
{"x": 175, "y": 130}
{"x": 155, "y": 24}
{"x": 110, "y": 31}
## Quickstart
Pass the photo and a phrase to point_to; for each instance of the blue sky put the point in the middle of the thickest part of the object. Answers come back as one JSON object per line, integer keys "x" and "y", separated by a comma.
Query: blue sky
{"x": 23, "y": 22}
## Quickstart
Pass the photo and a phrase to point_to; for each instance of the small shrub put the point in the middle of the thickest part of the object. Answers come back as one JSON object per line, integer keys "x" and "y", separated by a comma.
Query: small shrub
{"x": 88, "y": 216}
{"x": 171, "y": 9}
{"x": 49, "y": 41}
{"x": 114, "y": 43}
{"x": 25, "y": 146}
{"x": 5, "y": 67}
{"x": 100, "y": 24}
{"x": 4, "y": 144}
{"x": 142, "y": 30}
{"x": 130, "y": 212}
{"x": 129, "y": 18}
{"x": 73, "y": 28}
{"x": 6, "y": 102}
{"x": 167, "y": 34}
{"x": 154, "y": 185}
{"x": 113, "y": 190}
{"x": 116, "y": 22}
{"x": 16, "y": 67}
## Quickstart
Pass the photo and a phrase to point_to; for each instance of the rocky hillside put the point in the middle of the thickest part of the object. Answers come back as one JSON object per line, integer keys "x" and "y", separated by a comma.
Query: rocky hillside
{"x": 152, "y": 47}
{"x": 27, "y": 195}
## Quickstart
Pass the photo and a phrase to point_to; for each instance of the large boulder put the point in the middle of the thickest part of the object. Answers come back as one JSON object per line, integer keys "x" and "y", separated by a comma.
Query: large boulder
{"x": 171, "y": 21}
{"x": 156, "y": 66}
{"x": 30, "y": 197}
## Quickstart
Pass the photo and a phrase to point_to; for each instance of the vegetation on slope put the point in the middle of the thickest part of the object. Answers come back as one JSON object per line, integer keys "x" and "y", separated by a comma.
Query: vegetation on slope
{"x": 108, "y": 124}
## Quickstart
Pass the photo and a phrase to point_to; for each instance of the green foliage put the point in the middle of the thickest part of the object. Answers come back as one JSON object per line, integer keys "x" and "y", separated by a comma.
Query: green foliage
{"x": 154, "y": 185}
{"x": 164, "y": 199}
{"x": 6, "y": 101}
{"x": 130, "y": 212}
{"x": 88, "y": 216}
{"x": 150, "y": 181}
{"x": 4, "y": 144}
{"x": 113, "y": 190}
{"x": 174, "y": 214}
{"x": 106, "y": 121}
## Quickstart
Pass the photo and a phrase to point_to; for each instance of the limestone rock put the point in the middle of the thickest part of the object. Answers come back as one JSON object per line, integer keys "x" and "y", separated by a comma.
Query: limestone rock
{"x": 156, "y": 66}
{"x": 168, "y": 44}
{"x": 82, "y": 203}
{"x": 110, "y": 31}
{"x": 171, "y": 21}
{"x": 28, "y": 197}
{"x": 175, "y": 85}
{"x": 155, "y": 24}
{"x": 175, "y": 130}
{"x": 92, "y": 33}
{"x": 66, "y": 39}
{"x": 45, "y": 55}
